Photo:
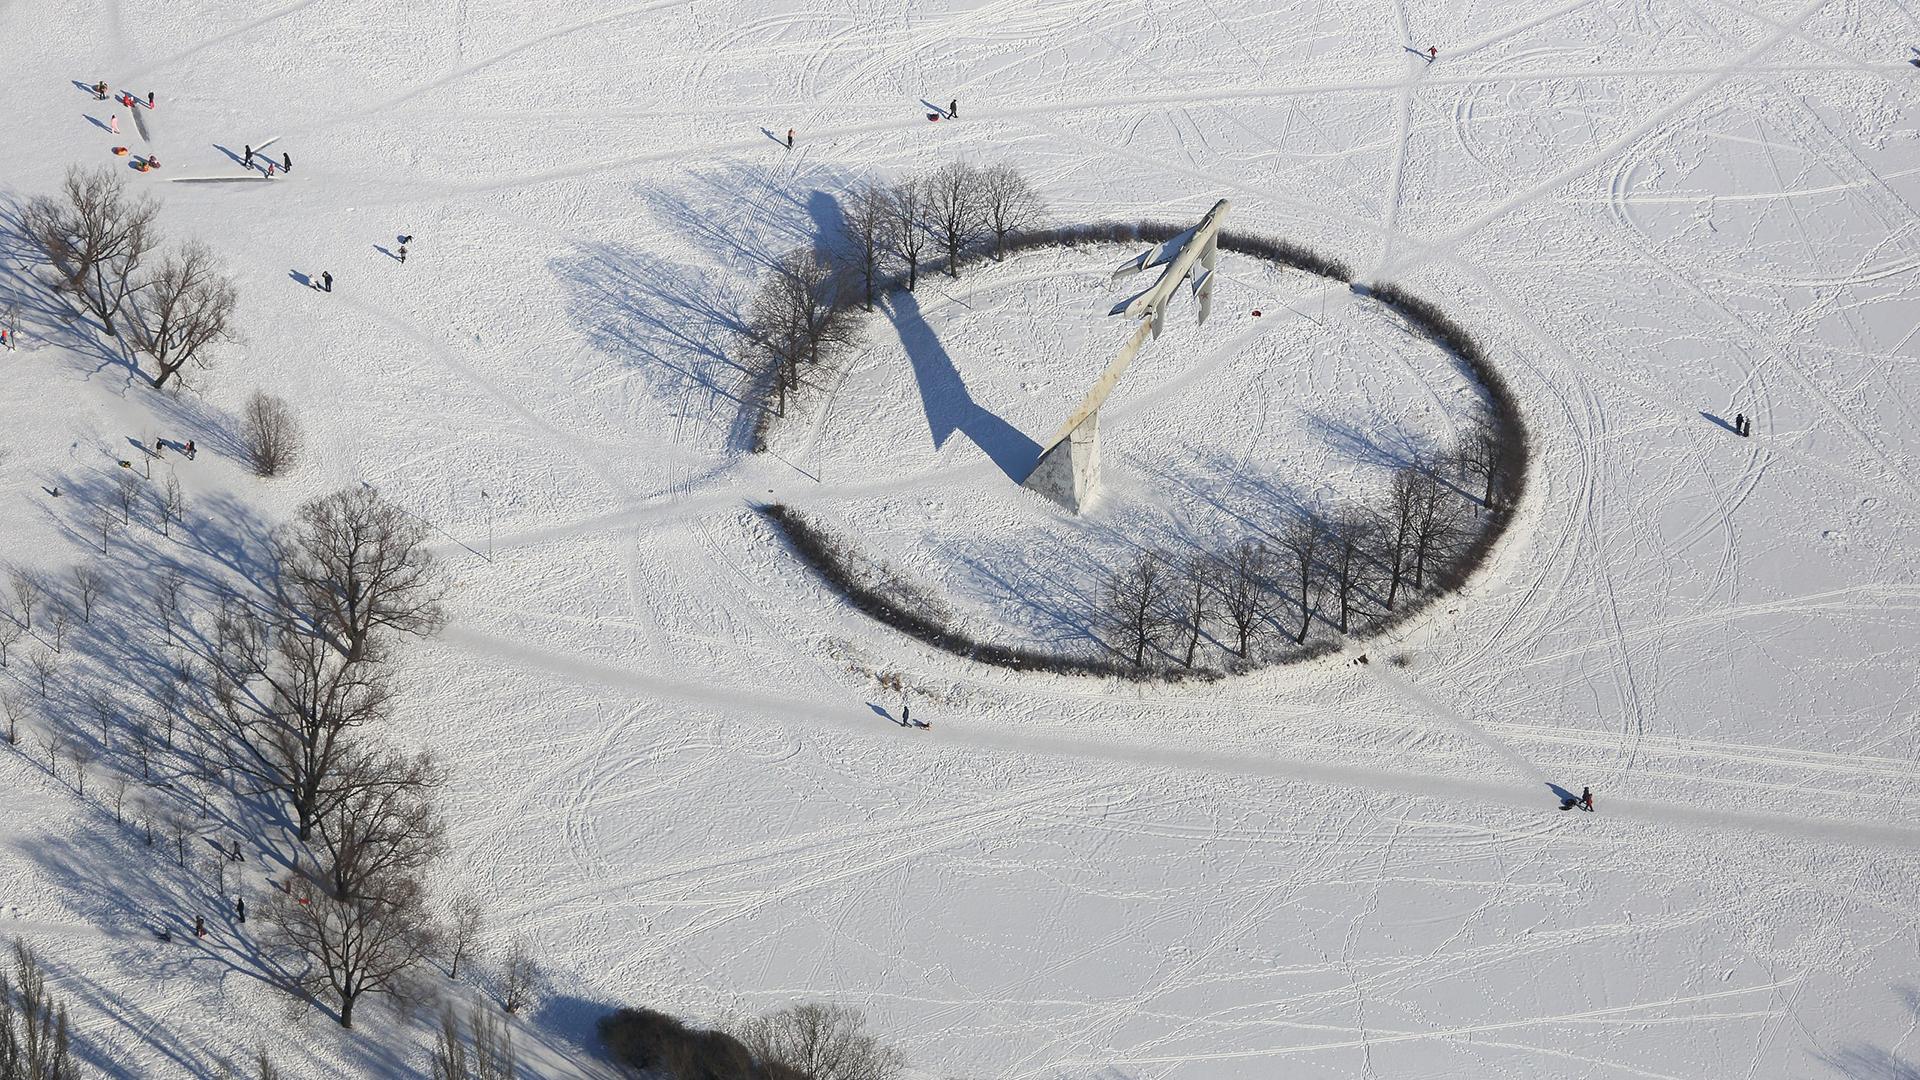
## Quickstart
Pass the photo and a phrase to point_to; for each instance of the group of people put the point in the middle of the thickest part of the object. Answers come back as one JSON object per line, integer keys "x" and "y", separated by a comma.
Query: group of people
{"x": 100, "y": 94}
{"x": 285, "y": 164}
{"x": 1741, "y": 425}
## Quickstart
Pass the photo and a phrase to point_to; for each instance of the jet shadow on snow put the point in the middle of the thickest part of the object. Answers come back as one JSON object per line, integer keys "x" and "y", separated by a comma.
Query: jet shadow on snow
{"x": 944, "y": 396}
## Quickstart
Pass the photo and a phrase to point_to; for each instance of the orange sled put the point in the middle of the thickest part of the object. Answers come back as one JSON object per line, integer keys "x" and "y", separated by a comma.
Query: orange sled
{"x": 119, "y": 151}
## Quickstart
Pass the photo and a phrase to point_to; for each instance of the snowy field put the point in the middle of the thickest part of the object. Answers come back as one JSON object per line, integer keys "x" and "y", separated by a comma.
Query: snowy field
{"x": 674, "y": 769}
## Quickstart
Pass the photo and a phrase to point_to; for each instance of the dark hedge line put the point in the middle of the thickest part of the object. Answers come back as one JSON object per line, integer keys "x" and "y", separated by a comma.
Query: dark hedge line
{"x": 894, "y": 604}
{"x": 887, "y": 600}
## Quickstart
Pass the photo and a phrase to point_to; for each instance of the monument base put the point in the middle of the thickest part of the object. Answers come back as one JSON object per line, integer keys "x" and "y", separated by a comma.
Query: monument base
{"x": 1069, "y": 471}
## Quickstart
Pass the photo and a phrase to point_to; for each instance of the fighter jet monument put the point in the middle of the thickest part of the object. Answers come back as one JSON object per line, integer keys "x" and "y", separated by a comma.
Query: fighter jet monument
{"x": 1068, "y": 471}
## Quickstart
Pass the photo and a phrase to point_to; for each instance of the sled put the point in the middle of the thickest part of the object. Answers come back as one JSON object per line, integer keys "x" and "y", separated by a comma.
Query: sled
{"x": 119, "y": 151}
{"x": 933, "y": 117}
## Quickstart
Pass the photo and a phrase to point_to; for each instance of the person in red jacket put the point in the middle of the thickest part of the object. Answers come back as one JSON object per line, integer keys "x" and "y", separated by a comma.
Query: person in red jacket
{"x": 1586, "y": 799}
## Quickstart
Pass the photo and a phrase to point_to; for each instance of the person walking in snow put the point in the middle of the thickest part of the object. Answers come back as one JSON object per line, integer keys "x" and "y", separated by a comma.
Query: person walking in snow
{"x": 403, "y": 254}
{"x": 1586, "y": 799}
{"x": 236, "y": 843}
{"x": 247, "y": 162}
{"x": 199, "y": 926}
{"x": 1739, "y": 423}
{"x": 286, "y": 162}
{"x": 270, "y": 166}
{"x": 953, "y": 110}
{"x": 149, "y": 99}
{"x": 789, "y": 138}
{"x": 240, "y": 908}
{"x": 113, "y": 123}
{"x": 326, "y": 276}
{"x": 1433, "y": 53}
{"x": 100, "y": 90}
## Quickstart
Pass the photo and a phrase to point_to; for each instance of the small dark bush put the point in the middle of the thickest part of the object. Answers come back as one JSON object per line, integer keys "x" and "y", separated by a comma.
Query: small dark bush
{"x": 640, "y": 1037}
{"x": 655, "y": 1042}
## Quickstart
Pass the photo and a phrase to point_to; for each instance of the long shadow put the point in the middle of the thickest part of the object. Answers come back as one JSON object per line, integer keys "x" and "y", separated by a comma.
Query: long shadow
{"x": 944, "y": 397}
{"x": 1717, "y": 420}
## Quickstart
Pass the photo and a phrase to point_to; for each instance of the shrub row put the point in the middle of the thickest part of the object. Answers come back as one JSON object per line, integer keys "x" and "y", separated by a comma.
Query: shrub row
{"x": 885, "y": 598}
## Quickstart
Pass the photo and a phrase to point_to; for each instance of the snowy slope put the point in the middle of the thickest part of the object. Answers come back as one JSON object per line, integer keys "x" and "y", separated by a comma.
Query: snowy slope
{"x": 672, "y": 770}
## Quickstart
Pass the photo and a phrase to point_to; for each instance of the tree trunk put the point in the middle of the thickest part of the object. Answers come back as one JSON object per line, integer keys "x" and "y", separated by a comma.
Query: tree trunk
{"x": 346, "y": 1008}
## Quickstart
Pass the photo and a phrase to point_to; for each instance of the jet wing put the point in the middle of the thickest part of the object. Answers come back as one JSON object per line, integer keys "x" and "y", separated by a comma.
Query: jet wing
{"x": 1154, "y": 256}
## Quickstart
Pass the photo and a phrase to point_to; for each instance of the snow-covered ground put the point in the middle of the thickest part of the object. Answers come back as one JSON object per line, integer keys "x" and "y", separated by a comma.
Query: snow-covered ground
{"x": 674, "y": 771}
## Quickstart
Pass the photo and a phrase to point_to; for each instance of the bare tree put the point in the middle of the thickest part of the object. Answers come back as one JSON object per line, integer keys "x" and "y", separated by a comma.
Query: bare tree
{"x": 1137, "y": 597}
{"x": 1010, "y": 204}
{"x": 1393, "y": 538}
{"x": 492, "y": 1057}
{"x": 367, "y": 945}
{"x": 187, "y": 307}
{"x": 1243, "y": 591}
{"x": 173, "y": 504}
{"x": 776, "y": 334}
{"x": 39, "y": 1046}
{"x": 821, "y": 1042}
{"x": 1197, "y": 573}
{"x": 106, "y": 710}
{"x": 26, "y": 595}
{"x": 44, "y": 667}
{"x": 1439, "y": 527}
{"x": 88, "y": 584}
{"x": 466, "y": 917}
{"x": 54, "y": 742}
{"x": 956, "y": 209}
{"x": 10, "y": 632}
{"x": 303, "y": 749}
{"x": 1349, "y": 532}
{"x": 96, "y": 237}
{"x": 166, "y": 602}
{"x": 271, "y": 435}
{"x": 1481, "y": 456}
{"x": 81, "y": 753}
{"x": 869, "y": 223}
{"x": 12, "y": 710}
{"x": 385, "y": 822}
{"x": 179, "y": 823}
{"x": 126, "y": 491}
{"x": 908, "y": 204}
{"x": 59, "y": 622}
{"x": 117, "y": 795}
{"x": 107, "y": 525}
{"x": 520, "y": 976}
{"x": 1302, "y": 543}
{"x": 356, "y": 563}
